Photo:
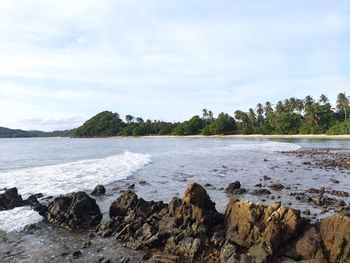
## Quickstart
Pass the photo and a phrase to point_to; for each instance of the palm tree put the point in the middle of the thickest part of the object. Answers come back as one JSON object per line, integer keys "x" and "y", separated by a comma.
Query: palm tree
{"x": 205, "y": 114}
{"x": 311, "y": 114}
{"x": 299, "y": 105}
{"x": 252, "y": 117}
{"x": 343, "y": 104}
{"x": 260, "y": 111}
{"x": 139, "y": 120}
{"x": 242, "y": 117}
{"x": 210, "y": 115}
{"x": 308, "y": 101}
{"x": 129, "y": 118}
{"x": 280, "y": 107}
{"x": 323, "y": 99}
{"x": 268, "y": 109}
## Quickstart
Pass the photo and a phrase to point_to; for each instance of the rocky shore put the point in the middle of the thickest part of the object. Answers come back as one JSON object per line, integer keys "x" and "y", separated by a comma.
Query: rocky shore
{"x": 192, "y": 230}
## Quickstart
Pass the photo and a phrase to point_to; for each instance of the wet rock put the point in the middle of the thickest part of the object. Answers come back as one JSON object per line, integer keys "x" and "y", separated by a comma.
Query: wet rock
{"x": 10, "y": 199}
{"x": 142, "y": 182}
{"x": 335, "y": 181}
{"x": 75, "y": 211}
{"x": 235, "y": 188}
{"x": 277, "y": 186}
{"x": 40, "y": 208}
{"x": 76, "y": 254}
{"x": 261, "y": 191}
{"x": 99, "y": 190}
{"x": 335, "y": 234}
{"x": 266, "y": 178}
{"x": 132, "y": 186}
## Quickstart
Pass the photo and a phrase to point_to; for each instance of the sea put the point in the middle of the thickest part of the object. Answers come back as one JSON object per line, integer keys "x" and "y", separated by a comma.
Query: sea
{"x": 55, "y": 166}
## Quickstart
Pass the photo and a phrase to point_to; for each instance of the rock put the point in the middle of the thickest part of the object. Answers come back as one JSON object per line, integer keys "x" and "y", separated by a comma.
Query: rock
{"x": 335, "y": 181}
{"x": 229, "y": 253}
{"x": 308, "y": 246}
{"x": 265, "y": 178}
{"x": 277, "y": 186}
{"x": 261, "y": 191}
{"x": 142, "y": 182}
{"x": 233, "y": 186}
{"x": 132, "y": 186}
{"x": 335, "y": 234}
{"x": 99, "y": 190}
{"x": 10, "y": 199}
{"x": 75, "y": 211}
{"x": 40, "y": 208}
{"x": 165, "y": 258}
{"x": 76, "y": 254}
{"x": 196, "y": 195}
{"x": 263, "y": 230}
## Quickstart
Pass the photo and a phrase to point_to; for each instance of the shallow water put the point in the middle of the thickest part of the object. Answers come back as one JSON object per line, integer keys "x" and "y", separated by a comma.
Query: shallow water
{"x": 54, "y": 166}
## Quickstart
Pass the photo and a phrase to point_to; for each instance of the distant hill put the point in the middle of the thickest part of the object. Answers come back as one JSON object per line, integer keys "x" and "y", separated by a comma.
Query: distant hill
{"x": 17, "y": 133}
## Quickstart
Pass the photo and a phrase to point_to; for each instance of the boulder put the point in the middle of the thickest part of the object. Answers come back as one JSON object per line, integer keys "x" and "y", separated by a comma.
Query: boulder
{"x": 306, "y": 247}
{"x": 335, "y": 234}
{"x": 261, "y": 229}
{"x": 99, "y": 190}
{"x": 10, "y": 199}
{"x": 75, "y": 211}
{"x": 196, "y": 195}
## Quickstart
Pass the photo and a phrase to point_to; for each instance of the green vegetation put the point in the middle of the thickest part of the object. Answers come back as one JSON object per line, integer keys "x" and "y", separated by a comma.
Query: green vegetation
{"x": 291, "y": 116}
{"x": 340, "y": 128}
{"x": 16, "y": 133}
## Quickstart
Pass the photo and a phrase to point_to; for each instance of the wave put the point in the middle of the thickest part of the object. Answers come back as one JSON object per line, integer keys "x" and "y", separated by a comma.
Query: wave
{"x": 75, "y": 176}
{"x": 16, "y": 219}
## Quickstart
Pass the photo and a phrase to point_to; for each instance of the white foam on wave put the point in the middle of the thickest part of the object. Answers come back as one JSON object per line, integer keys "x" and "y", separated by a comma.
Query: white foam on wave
{"x": 16, "y": 219}
{"x": 75, "y": 176}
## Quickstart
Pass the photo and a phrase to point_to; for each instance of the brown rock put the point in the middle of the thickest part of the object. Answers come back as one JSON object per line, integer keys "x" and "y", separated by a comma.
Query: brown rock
{"x": 196, "y": 195}
{"x": 335, "y": 233}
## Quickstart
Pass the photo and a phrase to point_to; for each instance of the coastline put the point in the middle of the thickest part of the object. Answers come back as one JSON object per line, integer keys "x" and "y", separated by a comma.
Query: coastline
{"x": 258, "y": 136}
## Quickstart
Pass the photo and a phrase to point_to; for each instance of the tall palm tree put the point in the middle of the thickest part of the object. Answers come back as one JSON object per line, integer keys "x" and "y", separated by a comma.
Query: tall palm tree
{"x": 343, "y": 103}
{"x": 260, "y": 111}
{"x": 252, "y": 117}
{"x": 280, "y": 107}
{"x": 210, "y": 115}
{"x": 129, "y": 118}
{"x": 323, "y": 99}
{"x": 299, "y": 105}
{"x": 308, "y": 101}
{"x": 205, "y": 114}
{"x": 311, "y": 114}
{"x": 268, "y": 109}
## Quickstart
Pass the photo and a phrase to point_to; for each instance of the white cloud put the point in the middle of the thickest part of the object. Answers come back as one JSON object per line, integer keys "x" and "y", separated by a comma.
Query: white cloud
{"x": 164, "y": 59}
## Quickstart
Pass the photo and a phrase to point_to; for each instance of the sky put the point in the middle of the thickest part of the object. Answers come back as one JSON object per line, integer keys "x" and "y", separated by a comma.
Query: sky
{"x": 61, "y": 62}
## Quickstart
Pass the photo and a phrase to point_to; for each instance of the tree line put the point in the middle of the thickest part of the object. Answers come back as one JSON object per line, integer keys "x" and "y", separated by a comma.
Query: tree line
{"x": 291, "y": 116}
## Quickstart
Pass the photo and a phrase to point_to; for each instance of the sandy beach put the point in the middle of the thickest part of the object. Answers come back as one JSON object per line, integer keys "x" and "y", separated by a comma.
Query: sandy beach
{"x": 260, "y": 136}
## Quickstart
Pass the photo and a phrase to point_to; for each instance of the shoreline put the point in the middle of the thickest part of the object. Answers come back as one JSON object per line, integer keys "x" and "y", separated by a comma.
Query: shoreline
{"x": 257, "y": 136}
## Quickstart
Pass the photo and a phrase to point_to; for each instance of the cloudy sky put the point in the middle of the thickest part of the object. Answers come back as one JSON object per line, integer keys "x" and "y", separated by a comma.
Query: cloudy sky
{"x": 63, "y": 61}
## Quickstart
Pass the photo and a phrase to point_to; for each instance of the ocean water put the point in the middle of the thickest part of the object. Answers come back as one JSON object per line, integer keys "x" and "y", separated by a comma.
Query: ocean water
{"x": 54, "y": 166}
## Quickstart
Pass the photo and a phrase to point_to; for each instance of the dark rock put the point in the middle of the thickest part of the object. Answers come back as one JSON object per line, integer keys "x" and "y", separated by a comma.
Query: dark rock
{"x": 75, "y": 211}
{"x": 261, "y": 191}
{"x": 76, "y": 254}
{"x": 196, "y": 195}
{"x": 142, "y": 182}
{"x": 265, "y": 178}
{"x": 146, "y": 256}
{"x": 99, "y": 190}
{"x": 132, "y": 186}
{"x": 10, "y": 199}
{"x": 335, "y": 181}
{"x": 40, "y": 208}
{"x": 277, "y": 186}
{"x": 233, "y": 186}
